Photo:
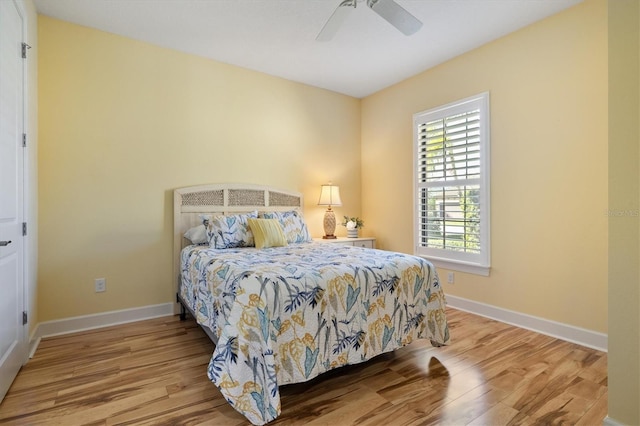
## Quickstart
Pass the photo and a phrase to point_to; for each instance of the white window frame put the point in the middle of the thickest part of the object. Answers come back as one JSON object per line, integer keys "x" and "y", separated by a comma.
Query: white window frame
{"x": 476, "y": 263}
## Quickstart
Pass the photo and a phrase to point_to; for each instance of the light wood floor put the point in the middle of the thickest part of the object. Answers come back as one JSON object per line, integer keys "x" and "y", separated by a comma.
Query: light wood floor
{"x": 154, "y": 372}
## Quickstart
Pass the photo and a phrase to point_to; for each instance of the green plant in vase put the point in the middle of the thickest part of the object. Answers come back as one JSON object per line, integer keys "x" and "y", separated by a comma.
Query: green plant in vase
{"x": 353, "y": 224}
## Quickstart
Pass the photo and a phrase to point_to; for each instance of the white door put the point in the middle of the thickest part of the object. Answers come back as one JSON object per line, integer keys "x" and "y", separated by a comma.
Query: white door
{"x": 13, "y": 342}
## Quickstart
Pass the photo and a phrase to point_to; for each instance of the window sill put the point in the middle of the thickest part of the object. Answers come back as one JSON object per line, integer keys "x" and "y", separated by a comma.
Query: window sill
{"x": 459, "y": 266}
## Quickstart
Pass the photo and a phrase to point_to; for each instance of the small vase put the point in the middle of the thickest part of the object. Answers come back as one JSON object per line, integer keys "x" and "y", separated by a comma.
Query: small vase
{"x": 352, "y": 233}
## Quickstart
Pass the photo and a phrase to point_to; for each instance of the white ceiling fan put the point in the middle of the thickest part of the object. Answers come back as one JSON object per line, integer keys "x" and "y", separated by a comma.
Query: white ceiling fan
{"x": 391, "y": 11}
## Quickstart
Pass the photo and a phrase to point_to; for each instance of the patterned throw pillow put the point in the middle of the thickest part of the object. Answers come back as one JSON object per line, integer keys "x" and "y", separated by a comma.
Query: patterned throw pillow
{"x": 231, "y": 231}
{"x": 295, "y": 229}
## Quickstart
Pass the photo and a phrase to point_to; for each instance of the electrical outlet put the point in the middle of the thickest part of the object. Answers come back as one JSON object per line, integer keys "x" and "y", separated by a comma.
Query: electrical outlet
{"x": 101, "y": 285}
{"x": 451, "y": 278}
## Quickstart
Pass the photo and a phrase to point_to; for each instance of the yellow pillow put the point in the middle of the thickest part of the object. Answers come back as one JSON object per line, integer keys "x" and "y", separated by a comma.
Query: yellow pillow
{"x": 267, "y": 233}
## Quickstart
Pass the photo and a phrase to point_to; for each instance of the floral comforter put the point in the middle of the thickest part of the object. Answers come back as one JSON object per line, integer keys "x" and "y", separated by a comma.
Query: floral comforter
{"x": 287, "y": 314}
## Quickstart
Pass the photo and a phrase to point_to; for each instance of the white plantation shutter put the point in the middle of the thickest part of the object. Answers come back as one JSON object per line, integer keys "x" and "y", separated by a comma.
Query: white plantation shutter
{"x": 452, "y": 184}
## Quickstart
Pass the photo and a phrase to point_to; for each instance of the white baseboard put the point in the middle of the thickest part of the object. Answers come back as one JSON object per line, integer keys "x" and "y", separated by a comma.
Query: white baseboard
{"x": 581, "y": 336}
{"x": 566, "y": 332}
{"x": 608, "y": 421}
{"x": 90, "y": 322}
{"x": 33, "y": 345}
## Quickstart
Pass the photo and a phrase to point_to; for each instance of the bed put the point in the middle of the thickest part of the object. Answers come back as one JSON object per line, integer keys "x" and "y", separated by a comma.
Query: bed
{"x": 292, "y": 309}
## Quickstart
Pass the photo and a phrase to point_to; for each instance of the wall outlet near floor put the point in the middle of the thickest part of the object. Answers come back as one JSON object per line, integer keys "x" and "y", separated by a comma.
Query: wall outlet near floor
{"x": 451, "y": 278}
{"x": 101, "y": 285}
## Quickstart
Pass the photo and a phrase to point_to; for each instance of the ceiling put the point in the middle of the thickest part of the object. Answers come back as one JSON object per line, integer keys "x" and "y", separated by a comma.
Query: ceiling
{"x": 277, "y": 37}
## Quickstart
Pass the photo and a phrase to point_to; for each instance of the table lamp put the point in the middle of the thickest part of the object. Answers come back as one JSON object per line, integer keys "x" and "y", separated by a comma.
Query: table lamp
{"x": 329, "y": 196}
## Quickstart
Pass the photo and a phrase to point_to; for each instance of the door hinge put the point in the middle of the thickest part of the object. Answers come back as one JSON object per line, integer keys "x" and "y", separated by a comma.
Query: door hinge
{"x": 25, "y": 46}
{"x": 24, "y": 140}
{"x": 24, "y": 228}
{"x": 25, "y": 317}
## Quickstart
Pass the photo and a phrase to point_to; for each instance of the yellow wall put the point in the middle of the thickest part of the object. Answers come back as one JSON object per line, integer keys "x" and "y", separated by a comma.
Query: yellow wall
{"x": 548, "y": 88}
{"x": 624, "y": 201}
{"x": 123, "y": 123}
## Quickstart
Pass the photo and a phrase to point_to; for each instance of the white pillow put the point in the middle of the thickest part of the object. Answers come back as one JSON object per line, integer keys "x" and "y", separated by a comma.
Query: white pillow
{"x": 198, "y": 234}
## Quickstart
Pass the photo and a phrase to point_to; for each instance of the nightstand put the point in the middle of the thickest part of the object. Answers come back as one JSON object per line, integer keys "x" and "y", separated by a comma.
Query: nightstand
{"x": 367, "y": 242}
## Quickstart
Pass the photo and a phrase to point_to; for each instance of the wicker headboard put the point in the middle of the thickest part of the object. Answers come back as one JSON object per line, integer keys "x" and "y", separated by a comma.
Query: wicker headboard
{"x": 219, "y": 199}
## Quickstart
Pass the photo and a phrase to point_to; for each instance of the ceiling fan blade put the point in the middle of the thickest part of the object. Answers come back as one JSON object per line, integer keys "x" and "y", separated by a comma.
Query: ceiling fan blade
{"x": 335, "y": 20}
{"x": 396, "y": 15}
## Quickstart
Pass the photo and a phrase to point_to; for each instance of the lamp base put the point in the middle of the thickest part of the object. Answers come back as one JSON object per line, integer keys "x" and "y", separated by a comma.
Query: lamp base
{"x": 329, "y": 224}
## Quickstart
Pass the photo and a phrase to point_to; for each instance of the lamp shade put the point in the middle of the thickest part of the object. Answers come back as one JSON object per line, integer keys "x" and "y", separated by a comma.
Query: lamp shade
{"x": 330, "y": 196}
